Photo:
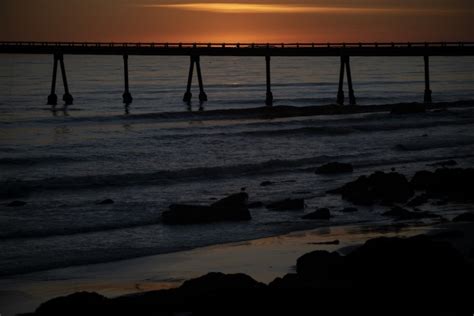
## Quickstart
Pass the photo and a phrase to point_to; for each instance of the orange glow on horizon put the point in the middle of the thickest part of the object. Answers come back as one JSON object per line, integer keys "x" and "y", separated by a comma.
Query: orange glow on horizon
{"x": 217, "y": 7}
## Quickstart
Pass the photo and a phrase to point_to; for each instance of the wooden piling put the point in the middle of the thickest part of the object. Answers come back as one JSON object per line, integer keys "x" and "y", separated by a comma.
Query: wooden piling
{"x": 269, "y": 97}
{"x": 67, "y": 97}
{"x": 53, "y": 98}
{"x": 127, "y": 96}
{"x": 427, "y": 98}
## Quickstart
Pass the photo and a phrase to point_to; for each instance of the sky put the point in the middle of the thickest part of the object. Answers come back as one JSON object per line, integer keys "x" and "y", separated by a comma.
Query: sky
{"x": 237, "y": 20}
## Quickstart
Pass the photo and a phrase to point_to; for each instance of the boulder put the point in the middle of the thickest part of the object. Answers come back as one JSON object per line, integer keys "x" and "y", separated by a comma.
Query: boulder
{"x": 80, "y": 303}
{"x": 334, "y": 167}
{"x": 379, "y": 186}
{"x": 287, "y": 205}
{"x": 216, "y": 281}
{"x": 455, "y": 184}
{"x": 231, "y": 208}
{"x": 418, "y": 261}
{"x": 322, "y": 213}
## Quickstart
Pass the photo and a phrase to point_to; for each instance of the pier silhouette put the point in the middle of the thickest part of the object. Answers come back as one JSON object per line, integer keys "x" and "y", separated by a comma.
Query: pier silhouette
{"x": 267, "y": 50}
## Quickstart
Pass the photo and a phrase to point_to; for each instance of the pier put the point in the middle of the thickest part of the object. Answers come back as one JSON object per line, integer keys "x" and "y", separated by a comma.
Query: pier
{"x": 194, "y": 51}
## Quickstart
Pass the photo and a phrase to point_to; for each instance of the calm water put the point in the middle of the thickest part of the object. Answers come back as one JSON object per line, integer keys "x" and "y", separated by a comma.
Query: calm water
{"x": 61, "y": 165}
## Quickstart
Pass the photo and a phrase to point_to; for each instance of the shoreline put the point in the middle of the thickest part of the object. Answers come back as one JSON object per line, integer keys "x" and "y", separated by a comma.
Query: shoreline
{"x": 271, "y": 257}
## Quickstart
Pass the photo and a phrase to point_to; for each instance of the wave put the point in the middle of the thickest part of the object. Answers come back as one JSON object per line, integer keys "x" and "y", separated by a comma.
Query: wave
{"x": 341, "y": 127}
{"x": 169, "y": 176}
{"x": 21, "y": 161}
{"x": 74, "y": 230}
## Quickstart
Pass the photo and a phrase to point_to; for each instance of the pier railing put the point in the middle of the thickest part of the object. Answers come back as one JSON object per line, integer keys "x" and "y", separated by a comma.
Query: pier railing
{"x": 239, "y": 45}
{"x": 267, "y": 50}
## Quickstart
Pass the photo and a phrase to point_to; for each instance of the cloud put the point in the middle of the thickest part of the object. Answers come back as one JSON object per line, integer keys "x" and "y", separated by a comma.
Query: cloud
{"x": 217, "y": 7}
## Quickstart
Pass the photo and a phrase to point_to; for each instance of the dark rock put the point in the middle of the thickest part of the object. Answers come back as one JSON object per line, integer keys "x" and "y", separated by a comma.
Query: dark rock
{"x": 334, "y": 167}
{"x": 446, "y": 163}
{"x": 349, "y": 210}
{"x": 288, "y": 281}
{"x": 105, "y": 202}
{"x": 379, "y": 186}
{"x": 233, "y": 201}
{"x": 80, "y": 303}
{"x": 408, "y": 108}
{"x": 403, "y": 214}
{"x": 397, "y": 262}
{"x": 257, "y": 204}
{"x": 317, "y": 262}
{"x": 231, "y": 208}
{"x": 322, "y": 213}
{"x": 287, "y": 205}
{"x": 422, "y": 179}
{"x": 454, "y": 184}
{"x": 214, "y": 282}
{"x": 266, "y": 183}
{"x": 16, "y": 204}
{"x": 322, "y": 269}
{"x": 418, "y": 200}
{"x": 465, "y": 217}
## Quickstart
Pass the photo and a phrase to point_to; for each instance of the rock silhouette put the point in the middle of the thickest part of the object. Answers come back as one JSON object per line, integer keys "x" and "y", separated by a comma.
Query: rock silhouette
{"x": 322, "y": 213}
{"x": 418, "y": 265}
{"x": 230, "y": 208}
{"x": 378, "y": 187}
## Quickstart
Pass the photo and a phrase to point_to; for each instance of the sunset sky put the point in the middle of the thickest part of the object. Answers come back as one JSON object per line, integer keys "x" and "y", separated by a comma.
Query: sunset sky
{"x": 237, "y": 20}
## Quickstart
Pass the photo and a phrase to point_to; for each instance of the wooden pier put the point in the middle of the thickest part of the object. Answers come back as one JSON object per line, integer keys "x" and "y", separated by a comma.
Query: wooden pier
{"x": 267, "y": 50}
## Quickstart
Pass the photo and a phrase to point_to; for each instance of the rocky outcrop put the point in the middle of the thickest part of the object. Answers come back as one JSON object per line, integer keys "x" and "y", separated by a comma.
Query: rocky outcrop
{"x": 378, "y": 187}
{"x": 381, "y": 266}
{"x": 444, "y": 183}
{"x": 231, "y": 208}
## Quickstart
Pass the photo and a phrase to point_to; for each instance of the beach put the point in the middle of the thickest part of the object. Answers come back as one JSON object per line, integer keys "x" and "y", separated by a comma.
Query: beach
{"x": 263, "y": 259}
{"x": 85, "y": 191}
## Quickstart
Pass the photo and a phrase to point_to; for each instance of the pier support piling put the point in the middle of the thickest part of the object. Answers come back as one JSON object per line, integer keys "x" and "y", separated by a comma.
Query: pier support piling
{"x": 67, "y": 97}
{"x": 352, "y": 99}
{"x": 427, "y": 98}
{"x": 127, "y": 96}
{"x": 340, "y": 91}
{"x": 202, "y": 94}
{"x": 345, "y": 66}
{"x": 188, "y": 95}
{"x": 53, "y": 98}
{"x": 269, "y": 97}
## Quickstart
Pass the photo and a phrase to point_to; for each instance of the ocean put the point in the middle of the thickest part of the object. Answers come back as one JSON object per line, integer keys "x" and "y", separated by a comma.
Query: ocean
{"x": 62, "y": 163}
